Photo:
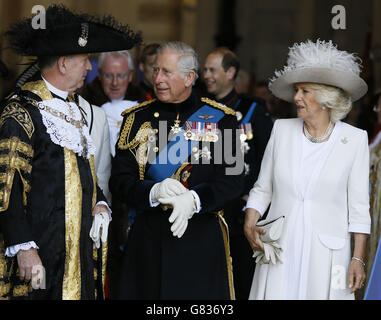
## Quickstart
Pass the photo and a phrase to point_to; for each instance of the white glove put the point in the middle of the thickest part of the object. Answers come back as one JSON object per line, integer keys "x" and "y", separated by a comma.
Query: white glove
{"x": 166, "y": 189}
{"x": 99, "y": 229}
{"x": 271, "y": 253}
{"x": 184, "y": 206}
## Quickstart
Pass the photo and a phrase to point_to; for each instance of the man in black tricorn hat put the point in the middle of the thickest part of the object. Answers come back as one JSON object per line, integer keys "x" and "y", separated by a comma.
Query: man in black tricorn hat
{"x": 51, "y": 209}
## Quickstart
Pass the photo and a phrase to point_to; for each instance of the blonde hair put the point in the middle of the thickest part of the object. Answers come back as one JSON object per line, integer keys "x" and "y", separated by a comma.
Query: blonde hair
{"x": 335, "y": 99}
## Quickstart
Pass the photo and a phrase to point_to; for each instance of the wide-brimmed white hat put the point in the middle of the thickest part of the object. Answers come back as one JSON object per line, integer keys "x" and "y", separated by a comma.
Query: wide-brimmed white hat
{"x": 319, "y": 62}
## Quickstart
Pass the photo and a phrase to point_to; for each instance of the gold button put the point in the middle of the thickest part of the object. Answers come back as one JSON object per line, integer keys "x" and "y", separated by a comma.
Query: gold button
{"x": 194, "y": 149}
{"x": 155, "y": 131}
{"x": 156, "y": 149}
{"x": 156, "y": 114}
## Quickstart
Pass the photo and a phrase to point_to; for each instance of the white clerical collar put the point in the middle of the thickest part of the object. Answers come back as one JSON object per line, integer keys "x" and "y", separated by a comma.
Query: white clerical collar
{"x": 58, "y": 92}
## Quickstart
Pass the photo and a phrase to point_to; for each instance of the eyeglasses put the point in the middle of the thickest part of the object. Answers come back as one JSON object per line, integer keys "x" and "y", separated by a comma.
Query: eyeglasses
{"x": 110, "y": 77}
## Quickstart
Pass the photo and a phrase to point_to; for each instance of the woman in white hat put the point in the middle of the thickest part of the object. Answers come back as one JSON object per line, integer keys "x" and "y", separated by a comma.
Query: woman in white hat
{"x": 314, "y": 173}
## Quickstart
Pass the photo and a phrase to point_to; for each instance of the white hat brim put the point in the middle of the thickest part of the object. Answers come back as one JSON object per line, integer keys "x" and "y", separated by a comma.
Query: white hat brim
{"x": 283, "y": 86}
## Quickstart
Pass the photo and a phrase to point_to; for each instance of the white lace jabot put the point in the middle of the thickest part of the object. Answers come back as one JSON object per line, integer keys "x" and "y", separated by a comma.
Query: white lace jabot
{"x": 64, "y": 124}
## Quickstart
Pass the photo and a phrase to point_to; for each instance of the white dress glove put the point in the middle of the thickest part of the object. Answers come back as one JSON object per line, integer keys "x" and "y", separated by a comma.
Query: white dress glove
{"x": 166, "y": 189}
{"x": 271, "y": 253}
{"x": 99, "y": 229}
{"x": 184, "y": 206}
{"x": 272, "y": 249}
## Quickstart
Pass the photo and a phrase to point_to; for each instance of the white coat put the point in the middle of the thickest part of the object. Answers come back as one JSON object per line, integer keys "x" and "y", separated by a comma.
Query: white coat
{"x": 334, "y": 204}
{"x": 100, "y": 134}
{"x": 114, "y": 110}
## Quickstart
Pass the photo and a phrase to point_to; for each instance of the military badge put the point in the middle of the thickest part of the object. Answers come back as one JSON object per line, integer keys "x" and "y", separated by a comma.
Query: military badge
{"x": 201, "y": 131}
{"x": 175, "y": 129}
{"x": 204, "y": 153}
{"x": 246, "y": 131}
{"x": 205, "y": 116}
{"x": 82, "y": 40}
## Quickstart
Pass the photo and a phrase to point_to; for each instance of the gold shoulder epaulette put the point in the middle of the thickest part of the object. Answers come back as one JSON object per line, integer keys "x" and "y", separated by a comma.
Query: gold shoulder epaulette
{"x": 218, "y": 105}
{"x": 16, "y": 111}
{"x": 139, "y": 106}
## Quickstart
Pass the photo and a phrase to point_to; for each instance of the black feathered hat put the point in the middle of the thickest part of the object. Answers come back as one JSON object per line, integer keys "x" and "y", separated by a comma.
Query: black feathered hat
{"x": 68, "y": 33}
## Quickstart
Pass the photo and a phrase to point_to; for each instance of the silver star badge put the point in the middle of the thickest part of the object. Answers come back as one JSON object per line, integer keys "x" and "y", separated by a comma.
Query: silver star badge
{"x": 205, "y": 153}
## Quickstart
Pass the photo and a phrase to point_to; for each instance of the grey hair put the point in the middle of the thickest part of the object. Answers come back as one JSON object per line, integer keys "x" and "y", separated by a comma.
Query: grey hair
{"x": 335, "y": 99}
{"x": 188, "y": 58}
{"x": 124, "y": 53}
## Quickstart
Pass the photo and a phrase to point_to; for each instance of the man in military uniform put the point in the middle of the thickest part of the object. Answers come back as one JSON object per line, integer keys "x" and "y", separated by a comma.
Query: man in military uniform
{"x": 51, "y": 208}
{"x": 220, "y": 70}
{"x": 168, "y": 170}
{"x": 147, "y": 60}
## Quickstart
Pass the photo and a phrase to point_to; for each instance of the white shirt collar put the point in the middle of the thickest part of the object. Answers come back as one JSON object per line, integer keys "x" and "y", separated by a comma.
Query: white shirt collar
{"x": 58, "y": 92}
{"x": 116, "y": 100}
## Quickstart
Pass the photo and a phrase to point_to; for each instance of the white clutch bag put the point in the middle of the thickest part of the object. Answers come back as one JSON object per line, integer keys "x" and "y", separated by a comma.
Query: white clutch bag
{"x": 273, "y": 229}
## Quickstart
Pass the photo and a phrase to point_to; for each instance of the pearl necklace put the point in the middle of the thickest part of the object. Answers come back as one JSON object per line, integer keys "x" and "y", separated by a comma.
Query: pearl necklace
{"x": 319, "y": 139}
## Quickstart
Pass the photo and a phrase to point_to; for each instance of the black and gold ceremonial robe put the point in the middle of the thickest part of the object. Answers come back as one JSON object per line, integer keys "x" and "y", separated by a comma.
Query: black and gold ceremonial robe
{"x": 47, "y": 193}
{"x": 158, "y": 265}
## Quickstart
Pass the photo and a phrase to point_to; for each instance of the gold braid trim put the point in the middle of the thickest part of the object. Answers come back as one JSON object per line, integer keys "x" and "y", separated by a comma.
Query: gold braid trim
{"x": 19, "y": 113}
{"x": 71, "y": 286}
{"x": 219, "y": 106}
{"x": 39, "y": 88}
{"x": 229, "y": 264}
{"x": 14, "y": 162}
{"x": 15, "y": 111}
{"x": 141, "y": 105}
{"x": 141, "y": 157}
{"x": 140, "y": 142}
{"x": 15, "y": 144}
{"x": 125, "y": 132}
{"x": 178, "y": 172}
{"x": 140, "y": 138}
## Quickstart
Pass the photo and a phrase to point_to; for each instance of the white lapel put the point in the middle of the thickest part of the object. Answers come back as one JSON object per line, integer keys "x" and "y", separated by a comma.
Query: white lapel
{"x": 297, "y": 157}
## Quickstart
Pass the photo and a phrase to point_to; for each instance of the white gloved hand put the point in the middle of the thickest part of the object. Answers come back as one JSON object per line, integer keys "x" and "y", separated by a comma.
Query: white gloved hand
{"x": 99, "y": 229}
{"x": 166, "y": 189}
{"x": 271, "y": 253}
{"x": 184, "y": 206}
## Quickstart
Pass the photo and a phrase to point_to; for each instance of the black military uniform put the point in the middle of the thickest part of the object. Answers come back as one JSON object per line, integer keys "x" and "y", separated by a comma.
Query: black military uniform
{"x": 255, "y": 135}
{"x": 158, "y": 265}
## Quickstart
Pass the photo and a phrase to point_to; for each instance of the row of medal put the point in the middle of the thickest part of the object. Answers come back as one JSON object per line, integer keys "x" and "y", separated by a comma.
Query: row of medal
{"x": 246, "y": 132}
{"x": 208, "y": 131}
{"x": 201, "y": 131}
{"x": 198, "y": 131}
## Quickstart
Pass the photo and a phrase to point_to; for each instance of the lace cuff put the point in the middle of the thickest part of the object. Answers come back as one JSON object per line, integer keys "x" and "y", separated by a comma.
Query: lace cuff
{"x": 13, "y": 250}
